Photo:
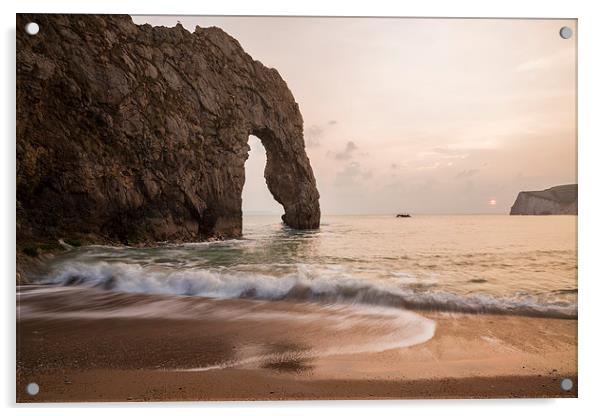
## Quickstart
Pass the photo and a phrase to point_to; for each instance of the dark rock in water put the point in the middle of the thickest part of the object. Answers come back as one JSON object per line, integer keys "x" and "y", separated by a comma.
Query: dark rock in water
{"x": 559, "y": 200}
{"x": 139, "y": 134}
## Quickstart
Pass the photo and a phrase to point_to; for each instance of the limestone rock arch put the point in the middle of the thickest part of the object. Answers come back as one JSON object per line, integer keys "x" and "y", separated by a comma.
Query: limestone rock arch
{"x": 136, "y": 133}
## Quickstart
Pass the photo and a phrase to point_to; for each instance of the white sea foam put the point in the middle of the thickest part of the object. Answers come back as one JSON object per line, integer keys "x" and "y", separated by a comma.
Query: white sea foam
{"x": 342, "y": 328}
{"x": 316, "y": 283}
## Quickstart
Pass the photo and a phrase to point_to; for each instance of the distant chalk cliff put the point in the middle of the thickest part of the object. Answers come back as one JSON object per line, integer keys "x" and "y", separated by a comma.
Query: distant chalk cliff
{"x": 559, "y": 200}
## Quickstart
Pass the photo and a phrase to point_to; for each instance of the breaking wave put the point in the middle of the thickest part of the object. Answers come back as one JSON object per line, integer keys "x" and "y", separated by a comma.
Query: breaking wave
{"x": 320, "y": 285}
{"x": 314, "y": 330}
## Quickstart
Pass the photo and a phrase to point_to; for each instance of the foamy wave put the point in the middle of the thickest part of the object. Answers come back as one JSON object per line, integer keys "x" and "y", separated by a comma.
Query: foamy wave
{"x": 314, "y": 330}
{"x": 324, "y": 286}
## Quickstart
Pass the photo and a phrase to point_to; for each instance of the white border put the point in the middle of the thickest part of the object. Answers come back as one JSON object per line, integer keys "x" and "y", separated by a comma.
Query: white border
{"x": 590, "y": 107}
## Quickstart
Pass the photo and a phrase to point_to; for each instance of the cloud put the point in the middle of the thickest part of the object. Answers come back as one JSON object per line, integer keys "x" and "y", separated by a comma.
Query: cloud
{"x": 563, "y": 56}
{"x": 347, "y": 153}
{"x": 467, "y": 173}
{"x": 533, "y": 64}
{"x": 450, "y": 153}
{"x": 351, "y": 175}
{"x": 430, "y": 166}
{"x": 315, "y": 132}
{"x": 444, "y": 150}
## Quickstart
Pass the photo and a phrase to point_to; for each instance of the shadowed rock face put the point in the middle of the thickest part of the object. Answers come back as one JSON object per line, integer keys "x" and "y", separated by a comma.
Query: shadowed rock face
{"x": 137, "y": 133}
{"x": 559, "y": 200}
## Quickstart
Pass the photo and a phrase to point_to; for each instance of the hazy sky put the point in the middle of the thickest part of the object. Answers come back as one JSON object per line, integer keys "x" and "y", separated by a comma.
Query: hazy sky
{"x": 418, "y": 115}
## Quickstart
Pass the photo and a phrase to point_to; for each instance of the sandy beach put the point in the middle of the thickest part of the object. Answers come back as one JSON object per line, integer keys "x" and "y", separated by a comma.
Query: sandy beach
{"x": 127, "y": 357}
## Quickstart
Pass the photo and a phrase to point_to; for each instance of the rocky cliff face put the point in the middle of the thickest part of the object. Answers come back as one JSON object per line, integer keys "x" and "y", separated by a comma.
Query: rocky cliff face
{"x": 559, "y": 200}
{"x": 136, "y": 133}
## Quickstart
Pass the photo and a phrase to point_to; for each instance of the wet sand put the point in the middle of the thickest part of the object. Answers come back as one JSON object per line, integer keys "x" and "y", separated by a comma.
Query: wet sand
{"x": 119, "y": 351}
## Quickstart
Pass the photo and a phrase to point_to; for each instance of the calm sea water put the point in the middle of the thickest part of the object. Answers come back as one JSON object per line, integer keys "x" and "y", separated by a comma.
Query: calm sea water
{"x": 523, "y": 265}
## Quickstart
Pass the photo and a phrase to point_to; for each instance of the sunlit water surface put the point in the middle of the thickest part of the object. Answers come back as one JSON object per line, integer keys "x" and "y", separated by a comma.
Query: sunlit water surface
{"x": 523, "y": 265}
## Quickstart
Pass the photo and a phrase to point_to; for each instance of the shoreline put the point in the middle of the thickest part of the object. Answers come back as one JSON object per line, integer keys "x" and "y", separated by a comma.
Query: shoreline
{"x": 116, "y": 355}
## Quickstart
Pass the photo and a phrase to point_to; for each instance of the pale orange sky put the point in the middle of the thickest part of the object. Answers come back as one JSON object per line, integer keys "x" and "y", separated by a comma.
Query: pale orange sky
{"x": 418, "y": 115}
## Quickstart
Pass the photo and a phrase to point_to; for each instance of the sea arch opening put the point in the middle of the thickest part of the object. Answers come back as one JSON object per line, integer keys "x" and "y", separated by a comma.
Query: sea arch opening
{"x": 257, "y": 200}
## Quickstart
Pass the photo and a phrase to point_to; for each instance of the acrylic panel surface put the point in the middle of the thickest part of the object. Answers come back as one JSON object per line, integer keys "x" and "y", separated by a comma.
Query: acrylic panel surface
{"x": 269, "y": 208}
